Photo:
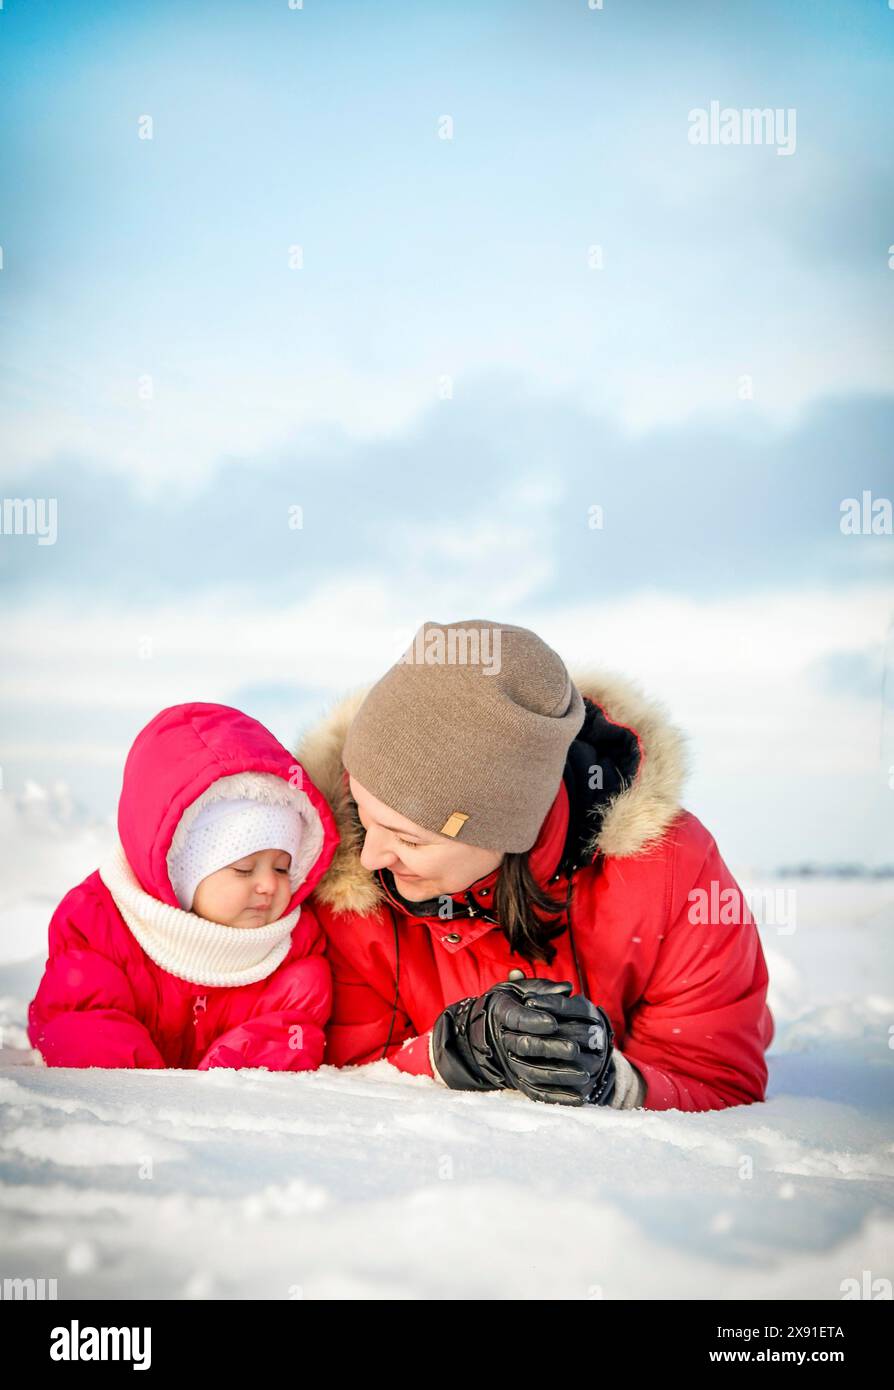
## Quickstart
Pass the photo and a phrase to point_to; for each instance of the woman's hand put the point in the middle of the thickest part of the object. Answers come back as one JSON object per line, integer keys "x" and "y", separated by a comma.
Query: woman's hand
{"x": 575, "y": 1064}
{"x": 527, "y": 1035}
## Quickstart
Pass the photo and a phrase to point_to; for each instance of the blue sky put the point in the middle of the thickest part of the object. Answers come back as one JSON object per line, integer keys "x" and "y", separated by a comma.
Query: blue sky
{"x": 177, "y": 386}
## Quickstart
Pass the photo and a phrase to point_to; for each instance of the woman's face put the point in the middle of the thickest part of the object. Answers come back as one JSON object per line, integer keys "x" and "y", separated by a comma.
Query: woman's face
{"x": 424, "y": 865}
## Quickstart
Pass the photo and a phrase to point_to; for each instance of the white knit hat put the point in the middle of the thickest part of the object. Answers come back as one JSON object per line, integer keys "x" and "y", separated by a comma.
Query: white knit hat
{"x": 229, "y": 829}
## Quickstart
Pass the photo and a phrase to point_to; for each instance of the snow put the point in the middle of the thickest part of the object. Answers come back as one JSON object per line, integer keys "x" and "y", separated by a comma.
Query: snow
{"x": 364, "y": 1183}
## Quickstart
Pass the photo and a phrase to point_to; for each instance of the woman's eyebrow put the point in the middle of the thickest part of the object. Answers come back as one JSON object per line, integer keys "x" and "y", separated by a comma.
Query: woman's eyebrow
{"x": 411, "y": 834}
{"x": 398, "y": 830}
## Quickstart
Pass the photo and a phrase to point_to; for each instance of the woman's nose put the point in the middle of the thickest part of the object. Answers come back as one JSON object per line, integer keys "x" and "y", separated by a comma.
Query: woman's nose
{"x": 375, "y": 856}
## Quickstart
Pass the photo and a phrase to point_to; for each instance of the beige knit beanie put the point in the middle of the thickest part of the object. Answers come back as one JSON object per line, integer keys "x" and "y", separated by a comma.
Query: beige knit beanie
{"x": 467, "y": 734}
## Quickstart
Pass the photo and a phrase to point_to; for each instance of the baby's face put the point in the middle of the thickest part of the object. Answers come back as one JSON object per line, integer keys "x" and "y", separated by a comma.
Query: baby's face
{"x": 250, "y": 892}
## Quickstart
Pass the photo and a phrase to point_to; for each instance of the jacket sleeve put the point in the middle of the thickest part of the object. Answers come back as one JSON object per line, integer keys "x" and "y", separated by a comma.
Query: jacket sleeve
{"x": 359, "y": 1033}
{"x": 84, "y": 1012}
{"x": 414, "y": 1055}
{"x": 699, "y": 1032}
{"x": 284, "y": 1031}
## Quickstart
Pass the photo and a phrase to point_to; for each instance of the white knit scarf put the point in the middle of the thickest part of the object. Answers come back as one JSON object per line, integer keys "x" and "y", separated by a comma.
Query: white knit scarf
{"x": 189, "y": 946}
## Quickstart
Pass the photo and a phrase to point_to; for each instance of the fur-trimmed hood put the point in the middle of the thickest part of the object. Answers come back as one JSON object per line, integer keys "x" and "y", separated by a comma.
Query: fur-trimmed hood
{"x": 644, "y": 755}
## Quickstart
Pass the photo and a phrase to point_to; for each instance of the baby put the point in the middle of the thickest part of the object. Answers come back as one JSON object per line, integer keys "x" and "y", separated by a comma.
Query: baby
{"x": 190, "y": 947}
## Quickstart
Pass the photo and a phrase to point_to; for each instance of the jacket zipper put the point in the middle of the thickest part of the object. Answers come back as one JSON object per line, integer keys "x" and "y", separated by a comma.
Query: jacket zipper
{"x": 199, "y": 1007}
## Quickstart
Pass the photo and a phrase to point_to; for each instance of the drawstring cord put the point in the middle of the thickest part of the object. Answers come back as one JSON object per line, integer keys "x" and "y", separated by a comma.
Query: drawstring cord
{"x": 396, "y": 981}
{"x": 581, "y": 980}
{"x": 396, "y": 930}
{"x": 596, "y": 866}
{"x": 580, "y": 974}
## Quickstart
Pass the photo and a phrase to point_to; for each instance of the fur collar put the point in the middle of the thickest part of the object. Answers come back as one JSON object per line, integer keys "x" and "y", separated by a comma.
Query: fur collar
{"x": 638, "y": 814}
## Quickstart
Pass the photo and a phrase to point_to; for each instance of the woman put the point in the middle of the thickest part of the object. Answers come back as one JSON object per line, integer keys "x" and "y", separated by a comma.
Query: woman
{"x": 519, "y": 900}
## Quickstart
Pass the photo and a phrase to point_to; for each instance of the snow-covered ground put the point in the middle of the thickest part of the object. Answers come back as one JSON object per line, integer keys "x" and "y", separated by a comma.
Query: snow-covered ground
{"x": 362, "y": 1183}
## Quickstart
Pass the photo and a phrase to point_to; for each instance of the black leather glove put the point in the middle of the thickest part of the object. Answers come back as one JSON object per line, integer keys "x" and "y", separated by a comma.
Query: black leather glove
{"x": 578, "y": 1064}
{"x": 527, "y": 1035}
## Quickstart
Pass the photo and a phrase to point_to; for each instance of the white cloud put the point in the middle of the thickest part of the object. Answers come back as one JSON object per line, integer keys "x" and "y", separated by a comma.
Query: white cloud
{"x": 734, "y": 671}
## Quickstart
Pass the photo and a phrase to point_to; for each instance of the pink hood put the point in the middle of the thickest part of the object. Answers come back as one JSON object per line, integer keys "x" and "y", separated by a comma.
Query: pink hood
{"x": 177, "y": 757}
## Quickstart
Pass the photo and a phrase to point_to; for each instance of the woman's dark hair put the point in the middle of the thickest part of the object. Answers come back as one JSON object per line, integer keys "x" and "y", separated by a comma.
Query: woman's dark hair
{"x": 529, "y": 916}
